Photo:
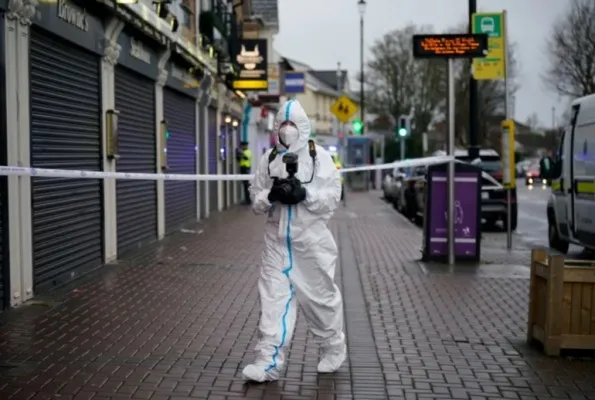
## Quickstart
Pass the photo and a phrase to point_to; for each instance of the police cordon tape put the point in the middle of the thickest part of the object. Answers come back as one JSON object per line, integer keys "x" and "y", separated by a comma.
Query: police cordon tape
{"x": 6, "y": 170}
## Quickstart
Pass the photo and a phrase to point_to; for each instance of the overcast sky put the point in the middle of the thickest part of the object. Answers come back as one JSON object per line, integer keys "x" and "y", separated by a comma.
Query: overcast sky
{"x": 321, "y": 33}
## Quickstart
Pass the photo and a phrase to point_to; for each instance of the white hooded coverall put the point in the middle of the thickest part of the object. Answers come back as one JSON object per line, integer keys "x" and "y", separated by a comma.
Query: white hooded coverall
{"x": 298, "y": 263}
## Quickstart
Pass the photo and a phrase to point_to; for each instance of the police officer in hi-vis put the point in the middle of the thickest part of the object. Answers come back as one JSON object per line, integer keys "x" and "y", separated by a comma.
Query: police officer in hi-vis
{"x": 244, "y": 157}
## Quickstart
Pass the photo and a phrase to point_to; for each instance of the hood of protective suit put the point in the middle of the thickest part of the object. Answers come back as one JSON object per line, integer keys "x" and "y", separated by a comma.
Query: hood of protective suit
{"x": 292, "y": 111}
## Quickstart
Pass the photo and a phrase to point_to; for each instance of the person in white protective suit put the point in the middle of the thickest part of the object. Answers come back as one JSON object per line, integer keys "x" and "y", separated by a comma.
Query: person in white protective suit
{"x": 298, "y": 264}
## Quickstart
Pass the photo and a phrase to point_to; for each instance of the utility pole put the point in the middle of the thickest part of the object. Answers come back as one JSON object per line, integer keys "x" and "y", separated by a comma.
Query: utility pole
{"x": 361, "y": 4}
{"x": 473, "y": 98}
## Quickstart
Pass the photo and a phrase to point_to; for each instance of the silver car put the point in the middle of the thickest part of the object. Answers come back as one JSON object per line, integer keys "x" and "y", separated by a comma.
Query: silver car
{"x": 391, "y": 186}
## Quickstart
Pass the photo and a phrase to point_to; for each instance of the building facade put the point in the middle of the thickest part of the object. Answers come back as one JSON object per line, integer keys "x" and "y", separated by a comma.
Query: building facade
{"x": 95, "y": 86}
{"x": 322, "y": 89}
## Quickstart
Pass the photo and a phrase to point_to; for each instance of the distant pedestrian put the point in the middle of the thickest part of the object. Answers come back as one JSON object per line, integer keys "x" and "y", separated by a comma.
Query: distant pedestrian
{"x": 244, "y": 157}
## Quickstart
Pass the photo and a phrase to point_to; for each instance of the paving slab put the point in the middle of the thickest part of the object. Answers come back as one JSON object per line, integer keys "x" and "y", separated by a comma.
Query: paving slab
{"x": 179, "y": 320}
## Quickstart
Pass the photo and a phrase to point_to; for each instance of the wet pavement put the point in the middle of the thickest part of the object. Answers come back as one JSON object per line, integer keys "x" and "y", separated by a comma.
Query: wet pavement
{"x": 178, "y": 321}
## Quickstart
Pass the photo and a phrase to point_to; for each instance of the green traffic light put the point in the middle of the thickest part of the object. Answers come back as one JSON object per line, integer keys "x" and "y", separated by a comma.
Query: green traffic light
{"x": 402, "y": 132}
{"x": 357, "y": 127}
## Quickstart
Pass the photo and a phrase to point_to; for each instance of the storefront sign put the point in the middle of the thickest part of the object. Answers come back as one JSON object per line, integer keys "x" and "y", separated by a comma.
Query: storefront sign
{"x": 182, "y": 75}
{"x": 137, "y": 50}
{"x": 72, "y": 22}
{"x": 252, "y": 59}
{"x": 73, "y": 15}
{"x": 139, "y": 53}
{"x": 182, "y": 79}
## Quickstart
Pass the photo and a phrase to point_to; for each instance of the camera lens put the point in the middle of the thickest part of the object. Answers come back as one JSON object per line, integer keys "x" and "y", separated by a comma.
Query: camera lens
{"x": 286, "y": 188}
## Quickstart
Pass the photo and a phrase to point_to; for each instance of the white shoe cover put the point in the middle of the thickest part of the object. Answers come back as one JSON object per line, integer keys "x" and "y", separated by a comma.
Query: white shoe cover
{"x": 257, "y": 373}
{"x": 332, "y": 360}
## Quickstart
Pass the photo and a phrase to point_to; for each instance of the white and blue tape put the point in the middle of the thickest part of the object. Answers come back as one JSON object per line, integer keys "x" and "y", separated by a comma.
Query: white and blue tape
{"x": 7, "y": 170}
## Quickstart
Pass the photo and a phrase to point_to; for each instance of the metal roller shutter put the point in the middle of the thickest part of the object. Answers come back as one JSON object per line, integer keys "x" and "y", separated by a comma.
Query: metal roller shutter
{"x": 65, "y": 134}
{"x": 213, "y": 157}
{"x": 180, "y": 196}
{"x": 202, "y": 143}
{"x": 4, "y": 237}
{"x": 224, "y": 169}
{"x": 229, "y": 165}
{"x": 4, "y": 300}
{"x": 136, "y": 200}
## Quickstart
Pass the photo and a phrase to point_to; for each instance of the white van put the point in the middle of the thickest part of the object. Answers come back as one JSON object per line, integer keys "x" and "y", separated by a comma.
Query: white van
{"x": 571, "y": 206}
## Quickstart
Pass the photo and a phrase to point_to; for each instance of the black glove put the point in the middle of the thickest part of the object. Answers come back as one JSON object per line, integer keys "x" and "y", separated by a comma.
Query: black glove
{"x": 296, "y": 194}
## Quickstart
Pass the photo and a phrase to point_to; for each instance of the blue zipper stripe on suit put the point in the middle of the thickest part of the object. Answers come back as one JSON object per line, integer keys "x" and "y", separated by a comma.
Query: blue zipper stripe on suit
{"x": 286, "y": 273}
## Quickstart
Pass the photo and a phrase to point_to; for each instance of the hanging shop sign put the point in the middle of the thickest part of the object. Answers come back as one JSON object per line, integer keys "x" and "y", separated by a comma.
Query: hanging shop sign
{"x": 252, "y": 59}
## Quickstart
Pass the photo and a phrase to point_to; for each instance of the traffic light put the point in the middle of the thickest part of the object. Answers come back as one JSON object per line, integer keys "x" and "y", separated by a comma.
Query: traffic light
{"x": 403, "y": 127}
{"x": 358, "y": 127}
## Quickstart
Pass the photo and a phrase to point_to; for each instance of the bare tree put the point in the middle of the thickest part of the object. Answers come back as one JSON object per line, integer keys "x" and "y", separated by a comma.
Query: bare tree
{"x": 571, "y": 49}
{"x": 396, "y": 82}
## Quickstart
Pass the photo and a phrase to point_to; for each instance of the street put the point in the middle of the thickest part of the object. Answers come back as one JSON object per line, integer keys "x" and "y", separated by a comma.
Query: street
{"x": 532, "y": 201}
{"x": 533, "y": 227}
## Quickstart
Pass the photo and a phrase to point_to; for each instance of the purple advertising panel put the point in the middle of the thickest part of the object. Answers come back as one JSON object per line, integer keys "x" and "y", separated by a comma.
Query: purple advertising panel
{"x": 465, "y": 214}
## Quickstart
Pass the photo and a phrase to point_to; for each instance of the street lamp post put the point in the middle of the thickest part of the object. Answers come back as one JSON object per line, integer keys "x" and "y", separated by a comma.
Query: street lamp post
{"x": 361, "y": 6}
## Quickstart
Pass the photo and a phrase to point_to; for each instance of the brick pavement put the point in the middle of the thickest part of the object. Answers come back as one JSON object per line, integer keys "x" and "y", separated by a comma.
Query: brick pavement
{"x": 452, "y": 335}
{"x": 176, "y": 322}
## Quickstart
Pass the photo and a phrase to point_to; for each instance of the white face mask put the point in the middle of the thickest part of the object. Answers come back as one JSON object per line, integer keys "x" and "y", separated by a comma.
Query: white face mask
{"x": 288, "y": 135}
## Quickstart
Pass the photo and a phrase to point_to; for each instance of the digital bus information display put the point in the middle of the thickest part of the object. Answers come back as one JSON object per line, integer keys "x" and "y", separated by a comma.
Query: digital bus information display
{"x": 457, "y": 45}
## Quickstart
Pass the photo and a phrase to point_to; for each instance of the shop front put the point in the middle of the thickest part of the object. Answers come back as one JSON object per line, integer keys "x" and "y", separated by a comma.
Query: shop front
{"x": 179, "y": 108}
{"x": 223, "y": 155}
{"x": 135, "y": 76}
{"x": 66, "y": 44}
{"x": 203, "y": 150}
{"x": 213, "y": 157}
{"x": 4, "y": 235}
{"x": 236, "y": 144}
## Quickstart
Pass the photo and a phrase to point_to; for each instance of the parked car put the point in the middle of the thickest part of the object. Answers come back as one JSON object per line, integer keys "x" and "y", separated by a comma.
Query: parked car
{"x": 399, "y": 190}
{"x": 413, "y": 195}
{"x": 493, "y": 194}
{"x": 523, "y": 166}
{"x": 391, "y": 184}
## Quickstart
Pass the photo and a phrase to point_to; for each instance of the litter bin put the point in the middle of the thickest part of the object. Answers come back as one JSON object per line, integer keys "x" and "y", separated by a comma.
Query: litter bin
{"x": 467, "y": 213}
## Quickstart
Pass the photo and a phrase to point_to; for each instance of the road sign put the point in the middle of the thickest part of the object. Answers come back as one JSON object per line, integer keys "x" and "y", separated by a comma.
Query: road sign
{"x": 458, "y": 45}
{"x": 344, "y": 109}
{"x": 493, "y": 66}
{"x": 295, "y": 82}
{"x": 507, "y": 142}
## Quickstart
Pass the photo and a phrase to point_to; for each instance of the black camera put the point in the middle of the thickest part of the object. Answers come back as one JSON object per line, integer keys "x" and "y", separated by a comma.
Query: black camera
{"x": 291, "y": 164}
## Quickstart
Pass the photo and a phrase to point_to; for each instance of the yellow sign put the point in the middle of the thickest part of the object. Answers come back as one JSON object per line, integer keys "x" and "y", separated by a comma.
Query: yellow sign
{"x": 250, "y": 85}
{"x": 507, "y": 141}
{"x": 492, "y": 66}
{"x": 344, "y": 109}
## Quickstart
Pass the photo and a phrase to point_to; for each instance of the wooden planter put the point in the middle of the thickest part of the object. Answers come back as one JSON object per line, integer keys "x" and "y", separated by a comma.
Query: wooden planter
{"x": 561, "y": 303}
